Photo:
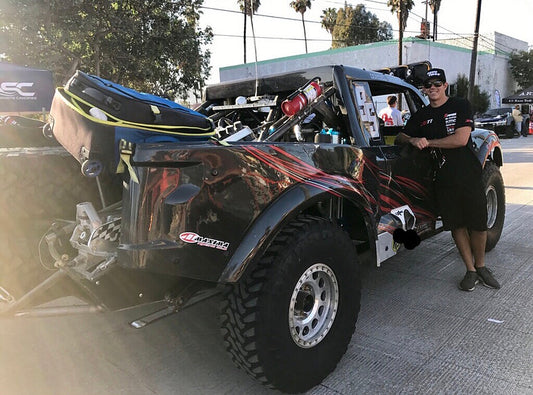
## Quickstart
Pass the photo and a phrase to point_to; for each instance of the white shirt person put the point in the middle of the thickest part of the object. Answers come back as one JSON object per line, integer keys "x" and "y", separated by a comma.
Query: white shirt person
{"x": 390, "y": 115}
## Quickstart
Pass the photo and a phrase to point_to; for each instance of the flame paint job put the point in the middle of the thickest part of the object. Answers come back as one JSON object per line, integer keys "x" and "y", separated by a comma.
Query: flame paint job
{"x": 219, "y": 192}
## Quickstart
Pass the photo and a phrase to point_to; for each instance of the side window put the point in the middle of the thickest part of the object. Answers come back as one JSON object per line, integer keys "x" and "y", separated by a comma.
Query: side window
{"x": 394, "y": 108}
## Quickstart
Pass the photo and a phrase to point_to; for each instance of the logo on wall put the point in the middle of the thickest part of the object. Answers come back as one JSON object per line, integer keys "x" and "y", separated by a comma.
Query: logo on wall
{"x": 17, "y": 90}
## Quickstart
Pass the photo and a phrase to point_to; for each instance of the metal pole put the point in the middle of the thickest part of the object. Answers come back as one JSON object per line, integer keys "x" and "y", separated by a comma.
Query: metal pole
{"x": 400, "y": 35}
{"x": 472, "y": 79}
{"x": 426, "y": 34}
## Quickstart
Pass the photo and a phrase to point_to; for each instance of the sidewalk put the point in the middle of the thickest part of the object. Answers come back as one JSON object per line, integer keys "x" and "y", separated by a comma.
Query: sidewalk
{"x": 417, "y": 333}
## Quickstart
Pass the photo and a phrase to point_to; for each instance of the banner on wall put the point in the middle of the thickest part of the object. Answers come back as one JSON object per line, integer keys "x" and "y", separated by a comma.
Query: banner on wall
{"x": 24, "y": 90}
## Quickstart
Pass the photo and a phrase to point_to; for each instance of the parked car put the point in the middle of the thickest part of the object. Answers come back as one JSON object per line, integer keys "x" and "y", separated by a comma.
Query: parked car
{"x": 500, "y": 120}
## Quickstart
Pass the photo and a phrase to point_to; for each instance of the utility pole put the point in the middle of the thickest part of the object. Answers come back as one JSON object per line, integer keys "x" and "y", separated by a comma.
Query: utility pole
{"x": 472, "y": 79}
{"x": 425, "y": 21}
{"x": 400, "y": 35}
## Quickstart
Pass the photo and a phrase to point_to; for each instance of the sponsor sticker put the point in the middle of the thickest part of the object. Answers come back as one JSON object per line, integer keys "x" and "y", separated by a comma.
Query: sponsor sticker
{"x": 194, "y": 238}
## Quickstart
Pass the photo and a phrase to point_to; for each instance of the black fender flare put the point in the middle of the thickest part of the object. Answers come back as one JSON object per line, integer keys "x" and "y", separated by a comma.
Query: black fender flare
{"x": 487, "y": 146}
{"x": 263, "y": 230}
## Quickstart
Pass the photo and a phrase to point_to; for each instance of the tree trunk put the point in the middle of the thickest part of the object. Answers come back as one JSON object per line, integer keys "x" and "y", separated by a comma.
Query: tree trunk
{"x": 72, "y": 70}
{"x": 255, "y": 52}
{"x": 435, "y": 26}
{"x": 97, "y": 59}
{"x": 305, "y": 35}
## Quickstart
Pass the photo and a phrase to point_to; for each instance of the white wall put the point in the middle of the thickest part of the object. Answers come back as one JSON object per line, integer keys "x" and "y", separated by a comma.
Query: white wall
{"x": 492, "y": 71}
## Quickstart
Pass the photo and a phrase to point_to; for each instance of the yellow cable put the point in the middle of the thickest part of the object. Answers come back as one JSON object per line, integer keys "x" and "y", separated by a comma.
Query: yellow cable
{"x": 72, "y": 101}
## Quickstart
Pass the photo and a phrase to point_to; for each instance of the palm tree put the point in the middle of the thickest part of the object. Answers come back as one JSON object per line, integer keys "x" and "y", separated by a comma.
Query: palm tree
{"x": 248, "y": 8}
{"x": 301, "y": 6}
{"x": 329, "y": 20}
{"x": 402, "y": 8}
{"x": 435, "y": 7}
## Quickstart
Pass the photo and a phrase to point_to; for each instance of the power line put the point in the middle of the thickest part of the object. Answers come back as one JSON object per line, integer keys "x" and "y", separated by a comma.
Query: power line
{"x": 291, "y": 19}
{"x": 274, "y": 38}
{"x": 350, "y": 4}
{"x": 487, "y": 43}
{"x": 261, "y": 15}
{"x": 491, "y": 44}
{"x": 278, "y": 38}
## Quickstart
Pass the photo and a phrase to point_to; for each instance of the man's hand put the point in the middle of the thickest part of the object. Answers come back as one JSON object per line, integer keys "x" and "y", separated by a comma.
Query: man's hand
{"x": 419, "y": 142}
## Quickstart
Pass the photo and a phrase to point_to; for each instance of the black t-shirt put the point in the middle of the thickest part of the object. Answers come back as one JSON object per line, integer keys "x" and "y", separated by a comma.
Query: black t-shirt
{"x": 460, "y": 166}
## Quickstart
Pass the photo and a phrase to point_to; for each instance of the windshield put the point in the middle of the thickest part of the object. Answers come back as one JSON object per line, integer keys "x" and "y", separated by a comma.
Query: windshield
{"x": 497, "y": 111}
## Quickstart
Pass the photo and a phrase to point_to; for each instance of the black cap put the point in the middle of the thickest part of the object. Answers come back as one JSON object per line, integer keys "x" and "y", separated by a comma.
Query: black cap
{"x": 435, "y": 74}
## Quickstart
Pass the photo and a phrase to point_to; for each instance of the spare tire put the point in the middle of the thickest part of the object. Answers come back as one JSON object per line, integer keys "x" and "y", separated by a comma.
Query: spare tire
{"x": 39, "y": 185}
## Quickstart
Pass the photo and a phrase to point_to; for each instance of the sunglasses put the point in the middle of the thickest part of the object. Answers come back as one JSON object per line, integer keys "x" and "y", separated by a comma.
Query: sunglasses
{"x": 436, "y": 84}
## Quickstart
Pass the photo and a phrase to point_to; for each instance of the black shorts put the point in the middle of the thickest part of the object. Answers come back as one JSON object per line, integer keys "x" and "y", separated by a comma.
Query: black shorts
{"x": 463, "y": 206}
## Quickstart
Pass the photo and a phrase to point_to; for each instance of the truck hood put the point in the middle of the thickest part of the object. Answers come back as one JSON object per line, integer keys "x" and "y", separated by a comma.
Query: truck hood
{"x": 491, "y": 119}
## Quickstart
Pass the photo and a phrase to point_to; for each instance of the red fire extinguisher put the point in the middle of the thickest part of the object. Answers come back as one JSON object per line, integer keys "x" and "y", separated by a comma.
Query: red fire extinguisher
{"x": 303, "y": 96}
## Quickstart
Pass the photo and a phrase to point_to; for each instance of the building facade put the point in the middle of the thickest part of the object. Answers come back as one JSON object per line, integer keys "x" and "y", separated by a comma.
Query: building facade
{"x": 493, "y": 73}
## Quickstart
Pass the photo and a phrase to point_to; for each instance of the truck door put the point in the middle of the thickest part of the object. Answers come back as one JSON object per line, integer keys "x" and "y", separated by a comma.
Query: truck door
{"x": 410, "y": 170}
{"x": 405, "y": 177}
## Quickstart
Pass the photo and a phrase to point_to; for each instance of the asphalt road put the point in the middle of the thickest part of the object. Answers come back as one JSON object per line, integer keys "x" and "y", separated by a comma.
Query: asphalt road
{"x": 416, "y": 333}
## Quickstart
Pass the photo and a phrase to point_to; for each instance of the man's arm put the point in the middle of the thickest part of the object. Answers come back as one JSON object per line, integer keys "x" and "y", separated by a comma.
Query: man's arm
{"x": 418, "y": 142}
{"x": 402, "y": 138}
{"x": 456, "y": 140}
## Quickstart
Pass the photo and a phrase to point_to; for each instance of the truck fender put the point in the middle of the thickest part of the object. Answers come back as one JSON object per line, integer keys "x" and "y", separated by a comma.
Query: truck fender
{"x": 487, "y": 146}
{"x": 272, "y": 219}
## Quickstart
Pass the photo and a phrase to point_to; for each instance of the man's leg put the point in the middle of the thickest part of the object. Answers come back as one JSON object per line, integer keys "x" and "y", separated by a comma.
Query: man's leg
{"x": 462, "y": 241}
{"x": 477, "y": 242}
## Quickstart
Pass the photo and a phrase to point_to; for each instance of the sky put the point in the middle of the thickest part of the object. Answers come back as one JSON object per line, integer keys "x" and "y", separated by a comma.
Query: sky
{"x": 279, "y": 30}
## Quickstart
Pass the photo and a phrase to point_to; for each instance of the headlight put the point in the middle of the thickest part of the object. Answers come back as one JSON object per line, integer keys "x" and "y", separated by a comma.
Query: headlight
{"x": 500, "y": 123}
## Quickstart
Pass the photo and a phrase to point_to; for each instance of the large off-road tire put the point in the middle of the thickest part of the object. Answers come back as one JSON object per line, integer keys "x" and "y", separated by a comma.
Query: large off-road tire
{"x": 290, "y": 320}
{"x": 495, "y": 192}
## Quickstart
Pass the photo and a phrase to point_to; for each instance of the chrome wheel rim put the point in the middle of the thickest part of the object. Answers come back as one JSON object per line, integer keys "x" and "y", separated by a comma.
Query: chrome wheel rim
{"x": 492, "y": 206}
{"x": 313, "y": 305}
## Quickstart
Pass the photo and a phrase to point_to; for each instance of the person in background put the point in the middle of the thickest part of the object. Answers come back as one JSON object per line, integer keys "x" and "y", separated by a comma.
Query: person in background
{"x": 517, "y": 116}
{"x": 445, "y": 125}
{"x": 390, "y": 114}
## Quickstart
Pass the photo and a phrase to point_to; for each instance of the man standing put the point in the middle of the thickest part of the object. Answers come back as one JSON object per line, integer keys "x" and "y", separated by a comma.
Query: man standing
{"x": 390, "y": 114}
{"x": 517, "y": 117}
{"x": 445, "y": 126}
